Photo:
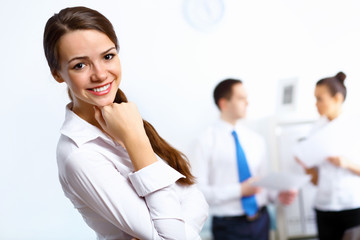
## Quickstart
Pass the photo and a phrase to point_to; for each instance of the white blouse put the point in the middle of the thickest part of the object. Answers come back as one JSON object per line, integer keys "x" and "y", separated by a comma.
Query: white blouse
{"x": 338, "y": 188}
{"x": 97, "y": 176}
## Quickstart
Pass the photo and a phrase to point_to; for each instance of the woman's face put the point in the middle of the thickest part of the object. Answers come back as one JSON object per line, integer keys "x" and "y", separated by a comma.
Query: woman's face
{"x": 326, "y": 104}
{"x": 90, "y": 66}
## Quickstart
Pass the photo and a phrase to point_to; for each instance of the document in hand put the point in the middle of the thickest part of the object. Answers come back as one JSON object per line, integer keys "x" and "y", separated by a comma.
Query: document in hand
{"x": 283, "y": 181}
{"x": 340, "y": 137}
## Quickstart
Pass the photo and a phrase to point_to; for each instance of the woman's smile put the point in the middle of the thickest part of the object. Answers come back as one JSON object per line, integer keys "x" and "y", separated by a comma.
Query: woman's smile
{"x": 90, "y": 67}
{"x": 101, "y": 90}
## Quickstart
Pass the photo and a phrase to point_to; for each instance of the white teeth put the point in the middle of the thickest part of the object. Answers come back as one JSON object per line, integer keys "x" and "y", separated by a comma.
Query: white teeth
{"x": 100, "y": 89}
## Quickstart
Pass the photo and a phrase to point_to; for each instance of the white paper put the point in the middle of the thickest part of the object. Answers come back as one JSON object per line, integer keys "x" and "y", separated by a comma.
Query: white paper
{"x": 283, "y": 181}
{"x": 341, "y": 137}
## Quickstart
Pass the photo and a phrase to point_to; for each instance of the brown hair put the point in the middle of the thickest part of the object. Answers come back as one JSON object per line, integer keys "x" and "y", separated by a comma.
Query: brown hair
{"x": 334, "y": 84}
{"x": 82, "y": 18}
{"x": 224, "y": 89}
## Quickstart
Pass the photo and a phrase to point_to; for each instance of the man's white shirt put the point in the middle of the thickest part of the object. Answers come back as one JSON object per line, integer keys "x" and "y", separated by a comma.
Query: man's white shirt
{"x": 215, "y": 166}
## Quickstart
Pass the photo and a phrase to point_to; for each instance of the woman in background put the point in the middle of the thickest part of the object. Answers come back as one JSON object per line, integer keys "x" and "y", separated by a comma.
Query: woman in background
{"x": 124, "y": 179}
{"x": 337, "y": 202}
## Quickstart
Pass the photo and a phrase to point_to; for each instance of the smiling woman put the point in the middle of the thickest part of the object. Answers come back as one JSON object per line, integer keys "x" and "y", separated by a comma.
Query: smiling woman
{"x": 91, "y": 73}
{"x": 124, "y": 179}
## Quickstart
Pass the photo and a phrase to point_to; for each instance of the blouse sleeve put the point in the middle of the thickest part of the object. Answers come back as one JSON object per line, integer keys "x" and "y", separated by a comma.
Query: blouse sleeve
{"x": 102, "y": 188}
{"x": 195, "y": 209}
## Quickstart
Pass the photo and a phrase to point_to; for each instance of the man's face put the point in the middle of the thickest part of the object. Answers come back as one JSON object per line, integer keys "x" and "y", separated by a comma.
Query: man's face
{"x": 236, "y": 106}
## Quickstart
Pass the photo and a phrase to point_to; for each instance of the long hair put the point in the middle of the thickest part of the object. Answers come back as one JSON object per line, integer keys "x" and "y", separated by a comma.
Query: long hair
{"x": 82, "y": 18}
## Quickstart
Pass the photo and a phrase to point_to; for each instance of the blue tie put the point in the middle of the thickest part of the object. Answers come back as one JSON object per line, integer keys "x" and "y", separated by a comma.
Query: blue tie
{"x": 248, "y": 203}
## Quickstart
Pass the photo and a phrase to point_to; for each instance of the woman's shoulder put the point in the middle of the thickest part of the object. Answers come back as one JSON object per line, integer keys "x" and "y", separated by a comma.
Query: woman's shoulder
{"x": 71, "y": 158}
{"x": 64, "y": 147}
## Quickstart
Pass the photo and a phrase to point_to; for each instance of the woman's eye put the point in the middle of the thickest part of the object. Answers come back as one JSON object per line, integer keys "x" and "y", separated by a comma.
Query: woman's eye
{"x": 79, "y": 66}
{"x": 109, "y": 56}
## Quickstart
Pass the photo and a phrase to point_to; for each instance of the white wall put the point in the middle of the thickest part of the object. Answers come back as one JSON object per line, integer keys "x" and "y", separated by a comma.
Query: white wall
{"x": 169, "y": 70}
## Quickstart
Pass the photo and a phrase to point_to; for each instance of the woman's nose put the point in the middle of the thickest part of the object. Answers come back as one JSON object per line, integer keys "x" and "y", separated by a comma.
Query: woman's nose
{"x": 99, "y": 73}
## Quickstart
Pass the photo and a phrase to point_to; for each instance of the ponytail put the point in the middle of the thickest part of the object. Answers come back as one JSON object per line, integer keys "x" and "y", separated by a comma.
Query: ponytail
{"x": 165, "y": 151}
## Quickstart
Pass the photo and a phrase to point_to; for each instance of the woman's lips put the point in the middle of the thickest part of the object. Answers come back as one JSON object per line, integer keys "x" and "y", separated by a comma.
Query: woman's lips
{"x": 99, "y": 91}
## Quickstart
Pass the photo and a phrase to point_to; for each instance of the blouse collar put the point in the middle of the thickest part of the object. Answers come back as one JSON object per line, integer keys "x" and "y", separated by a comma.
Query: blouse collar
{"x": 79, "y": 130}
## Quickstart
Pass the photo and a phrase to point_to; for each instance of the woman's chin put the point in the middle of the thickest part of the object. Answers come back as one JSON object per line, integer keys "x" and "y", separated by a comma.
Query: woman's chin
{"x": 108, "y": 100}
{"x": 101, "y": 104}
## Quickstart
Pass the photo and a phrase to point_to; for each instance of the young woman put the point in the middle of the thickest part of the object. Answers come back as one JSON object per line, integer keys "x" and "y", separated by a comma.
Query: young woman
{"x": 123, "y": 178}
{"x": 337, "y": 202}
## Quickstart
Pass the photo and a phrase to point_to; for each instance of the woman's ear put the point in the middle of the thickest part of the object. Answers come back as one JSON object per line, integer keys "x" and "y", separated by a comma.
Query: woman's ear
{"x": 339, "y": 97}
{"x": 57, "y": 77}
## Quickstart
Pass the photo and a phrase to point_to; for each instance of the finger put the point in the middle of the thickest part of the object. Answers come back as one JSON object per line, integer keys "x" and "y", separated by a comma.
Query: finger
{"x": 300, "y": 162}
{"x": 293, "y": 195}
{"x": 292, "y": 191}
{"x": 98, "y": 116}
{"x": 286, "y": 200}
{"x": 106, "y": 110}
{"x": 289, "y": 197}
{"x": 333, "y": 160}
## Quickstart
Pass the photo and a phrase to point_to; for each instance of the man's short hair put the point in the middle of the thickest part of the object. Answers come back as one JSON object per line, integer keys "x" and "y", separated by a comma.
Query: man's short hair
{"x": 224, "y": 89}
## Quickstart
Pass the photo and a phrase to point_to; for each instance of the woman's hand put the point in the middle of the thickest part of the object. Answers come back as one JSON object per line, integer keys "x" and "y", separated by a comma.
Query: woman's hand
{"x": 301, "y": 163}
{"x": 121, "y": 121}
{"x": 341, "y": 162}
{"x": 313, "y": 172}
{"x": 124, "y": 124}
{"x": 345, "y": 163}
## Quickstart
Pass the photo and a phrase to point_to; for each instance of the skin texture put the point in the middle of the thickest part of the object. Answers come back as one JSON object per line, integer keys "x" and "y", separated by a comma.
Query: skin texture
{"x": 232, "y": 110}
{"x": 88, "y": 60}
{"x": 327, "y": 105}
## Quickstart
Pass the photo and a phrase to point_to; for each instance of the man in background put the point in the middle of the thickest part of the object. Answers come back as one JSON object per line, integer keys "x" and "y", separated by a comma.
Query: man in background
{"x": 228, "y": 158}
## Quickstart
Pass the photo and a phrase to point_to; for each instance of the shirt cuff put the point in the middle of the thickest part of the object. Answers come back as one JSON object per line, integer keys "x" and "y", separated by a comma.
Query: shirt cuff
{"x": 233, "y": 191}
{"x": 154, "y": 177}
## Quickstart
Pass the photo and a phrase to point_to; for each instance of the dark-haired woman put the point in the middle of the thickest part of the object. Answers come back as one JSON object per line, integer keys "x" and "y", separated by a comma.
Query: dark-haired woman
{"x": 123, "y": 178}
{"x": 337, "y": 201}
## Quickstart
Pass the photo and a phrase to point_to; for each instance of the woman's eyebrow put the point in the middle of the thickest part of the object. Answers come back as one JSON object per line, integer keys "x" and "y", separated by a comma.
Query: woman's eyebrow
{"x": 78, "y": 58}
{"x": 108, "y": 50}
{"x": 85, "y": 57}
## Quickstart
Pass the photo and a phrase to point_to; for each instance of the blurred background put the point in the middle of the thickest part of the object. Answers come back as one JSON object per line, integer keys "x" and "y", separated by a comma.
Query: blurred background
{"x": 173, "y": 53}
